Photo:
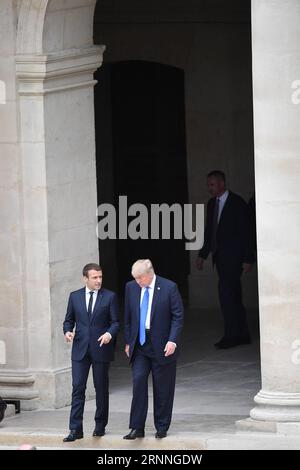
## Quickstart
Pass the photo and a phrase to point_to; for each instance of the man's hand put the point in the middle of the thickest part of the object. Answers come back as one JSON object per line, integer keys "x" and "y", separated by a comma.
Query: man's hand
{"x": 127, "y": 350}
{"x": 170, "y": 348}
{"x": 199, "y": 263}
{"x": 247, "y": 267}
{"x": 105, "y": 338}
{"x": 69, "y": 336}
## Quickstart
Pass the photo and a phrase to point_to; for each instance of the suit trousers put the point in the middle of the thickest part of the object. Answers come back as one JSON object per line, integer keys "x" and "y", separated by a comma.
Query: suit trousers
{"x": 80, "y": 372}
{"x": 230, "y": 296}
{"x": 163, "y": 378}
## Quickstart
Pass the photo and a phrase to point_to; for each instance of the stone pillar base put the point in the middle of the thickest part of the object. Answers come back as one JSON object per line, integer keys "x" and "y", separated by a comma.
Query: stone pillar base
{"x": 276, "y": 412}
{"x": 55, "y": 388}
{"x": 253, "y": 425}
{"x": 20, "y": 388}
{"x": 276, "y": 406}
{"x": 47, "y": 389}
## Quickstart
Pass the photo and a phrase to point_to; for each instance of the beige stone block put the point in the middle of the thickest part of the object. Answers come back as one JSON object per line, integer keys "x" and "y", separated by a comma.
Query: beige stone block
{"x": 67, "y": 204}
{"x": 32, "y": 119}
{"x": 7, "y": 28}
{"x": 271, "y": 18}
{"x": 78, "y": 30}
{"x": 37, "y": 259}
{"x": 271, "y": 171}
{"x": 9, "y": 209}
{"x": 276, "y": 129}
{"x": 37, "y": 303}
{"x": 33, "y": 165}
{"x": 7, "y": 75}
{"x": 11, "y": 300}
{"x": 79, "y": 3}
{"x": 16, "y": 350}
{"x": 84, "y": 240}
{"x": 279, "y": 274}
{"x": 9, "y": 170}
{"x": 8, "y": 120}
{"x": 10, "y": 255}
{"x": 278, "y": 225}
{"x": 54, "y": 29}
{"x": 40, "y": 346}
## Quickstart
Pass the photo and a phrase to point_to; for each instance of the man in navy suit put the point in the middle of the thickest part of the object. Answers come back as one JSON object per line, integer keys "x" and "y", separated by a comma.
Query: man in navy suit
{"x": 94, "y": 312}
{"x": 153, "y": 323}
{"x": 227, "y": 238}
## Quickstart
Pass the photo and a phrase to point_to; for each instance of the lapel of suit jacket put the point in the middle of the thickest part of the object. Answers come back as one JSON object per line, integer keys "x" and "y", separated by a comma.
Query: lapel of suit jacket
{"x": 83, "y": 302}
{"x": 97, "y": 303}
{"x": 138, "y": 291}
{"x": 155, "y": 297}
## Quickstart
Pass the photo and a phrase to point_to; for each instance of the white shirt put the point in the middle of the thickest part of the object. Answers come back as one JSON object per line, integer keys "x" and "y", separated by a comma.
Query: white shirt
{"x": 222, "y": 200}
{"x": 87, "y": 298}
{"x": 151, "y": 292}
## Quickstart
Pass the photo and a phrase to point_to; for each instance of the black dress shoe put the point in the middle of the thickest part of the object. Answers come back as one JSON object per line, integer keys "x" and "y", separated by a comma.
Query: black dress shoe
{"x": 232, "y": 342}
{"x": 98, "y": 432}
{"x": 73, "y": 436}
{"x": 161, "y": 434}
{"x": 134, "y": 433}
{"x": 217, "y": 344}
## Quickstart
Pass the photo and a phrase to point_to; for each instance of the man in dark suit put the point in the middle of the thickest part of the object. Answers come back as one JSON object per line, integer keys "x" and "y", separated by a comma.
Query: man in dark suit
{"x": 227, "y": 238}
{"x": 94, "y": 311}
{"x": 153, "y": 323}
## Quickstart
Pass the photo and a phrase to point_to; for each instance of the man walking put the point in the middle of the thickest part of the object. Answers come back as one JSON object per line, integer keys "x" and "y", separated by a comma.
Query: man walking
{"x": 227, "y": 238}
{"x": 94, "y": 312}
{"x": 153, "y": 323}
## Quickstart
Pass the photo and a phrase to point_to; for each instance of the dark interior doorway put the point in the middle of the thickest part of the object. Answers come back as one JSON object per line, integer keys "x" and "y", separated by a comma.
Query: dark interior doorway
{"x": 141, "y": 153}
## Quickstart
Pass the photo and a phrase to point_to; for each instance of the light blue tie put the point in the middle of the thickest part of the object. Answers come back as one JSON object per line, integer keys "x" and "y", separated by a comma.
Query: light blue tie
{"x": 143, "y": 316}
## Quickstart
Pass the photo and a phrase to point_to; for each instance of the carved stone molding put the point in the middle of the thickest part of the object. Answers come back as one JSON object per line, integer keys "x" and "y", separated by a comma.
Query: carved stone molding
{"x": 41, "y": 74}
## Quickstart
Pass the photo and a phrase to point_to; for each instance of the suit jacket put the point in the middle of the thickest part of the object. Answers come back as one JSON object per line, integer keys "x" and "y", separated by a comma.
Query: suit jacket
{"x": 105, "y": 318}
{"x": 166, "y": 319}
{"x": 233, "y": 232}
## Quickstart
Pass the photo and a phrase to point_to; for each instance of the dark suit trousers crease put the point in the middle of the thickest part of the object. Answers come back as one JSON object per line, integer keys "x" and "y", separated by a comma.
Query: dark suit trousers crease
{"x": 163, "y": 378}
{"x": 80, "y": 371}
{"x": 230, "y": 296}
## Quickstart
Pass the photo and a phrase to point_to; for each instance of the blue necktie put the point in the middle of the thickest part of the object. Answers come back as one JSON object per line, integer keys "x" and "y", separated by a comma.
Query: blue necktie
{"x": 143, "y": 315}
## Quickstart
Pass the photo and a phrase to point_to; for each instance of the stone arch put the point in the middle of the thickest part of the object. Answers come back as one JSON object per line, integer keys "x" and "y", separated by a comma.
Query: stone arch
{"x": 46, "y": 25}
{"x": 31, "y": 26}
{"x": 55, "y": 63}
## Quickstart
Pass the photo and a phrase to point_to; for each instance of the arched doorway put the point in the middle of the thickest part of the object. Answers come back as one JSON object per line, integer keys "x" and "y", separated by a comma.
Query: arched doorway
{"x": 142, "y": 156}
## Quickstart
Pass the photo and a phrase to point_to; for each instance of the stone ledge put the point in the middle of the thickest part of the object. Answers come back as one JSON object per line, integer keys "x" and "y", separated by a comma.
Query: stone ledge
{"x": 109, "y": 441}
{"x": 252, "y": 425}
{"x": 280, "y": 428}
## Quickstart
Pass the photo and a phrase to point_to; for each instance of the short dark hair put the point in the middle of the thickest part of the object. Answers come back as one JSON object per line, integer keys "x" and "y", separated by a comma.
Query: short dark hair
{"x": 89, "y": 267}
{"x": 220, "y": 175}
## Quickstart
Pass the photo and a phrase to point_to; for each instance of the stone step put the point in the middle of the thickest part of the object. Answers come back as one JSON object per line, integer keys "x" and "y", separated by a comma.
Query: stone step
{"x": 184, "y": 441}
{"x": 109, "y": 441}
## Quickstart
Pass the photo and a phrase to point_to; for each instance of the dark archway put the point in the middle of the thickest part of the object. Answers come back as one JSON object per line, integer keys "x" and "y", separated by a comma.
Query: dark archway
{"x": 141, "y": 153}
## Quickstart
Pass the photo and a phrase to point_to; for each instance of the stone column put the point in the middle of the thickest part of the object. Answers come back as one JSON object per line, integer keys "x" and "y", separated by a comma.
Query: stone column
{"x": 16, "y": 380}
{"x": 58, "y": 178}
{"x": 276, "y": 70}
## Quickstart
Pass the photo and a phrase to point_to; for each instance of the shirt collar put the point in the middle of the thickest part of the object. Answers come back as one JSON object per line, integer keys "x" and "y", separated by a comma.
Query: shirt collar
{"x": 224, "y": 196}
{"x": 152, "y": 284}
{"x": 87, "y": 291}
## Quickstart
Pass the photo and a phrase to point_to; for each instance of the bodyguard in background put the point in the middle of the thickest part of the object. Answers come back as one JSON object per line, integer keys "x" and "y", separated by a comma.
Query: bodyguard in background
{"x": 93, "y": 310}
{"x": 227, "y": 238}
{"x": 153, "y": 323}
